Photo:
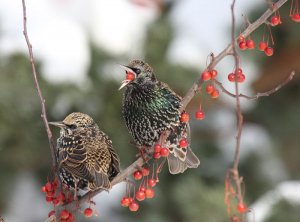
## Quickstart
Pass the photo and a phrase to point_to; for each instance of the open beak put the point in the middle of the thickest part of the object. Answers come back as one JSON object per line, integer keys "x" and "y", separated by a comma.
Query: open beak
{"x": 126, "y": 81}
{"x": 58, "y": 124}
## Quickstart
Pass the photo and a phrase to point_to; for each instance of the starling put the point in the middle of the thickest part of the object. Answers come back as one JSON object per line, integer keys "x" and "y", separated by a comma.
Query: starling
{"x": 86, "y": 158}
{"x": 151, "y": 107}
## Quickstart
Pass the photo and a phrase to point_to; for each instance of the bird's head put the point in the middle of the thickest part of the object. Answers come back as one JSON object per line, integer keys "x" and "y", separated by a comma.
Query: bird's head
{"x": 137, "y": 73}
{"x": 74, "y": 121}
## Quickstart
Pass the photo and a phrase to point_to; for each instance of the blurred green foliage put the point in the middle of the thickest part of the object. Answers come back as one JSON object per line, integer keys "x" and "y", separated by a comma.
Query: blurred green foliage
{"x": 194, "y": 196}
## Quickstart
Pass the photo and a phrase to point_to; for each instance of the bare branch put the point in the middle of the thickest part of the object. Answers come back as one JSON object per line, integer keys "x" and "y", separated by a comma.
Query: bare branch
{"x": 238, "y": 110}
{"x": 37, "y": 86}
{"x": 260, "y": 94}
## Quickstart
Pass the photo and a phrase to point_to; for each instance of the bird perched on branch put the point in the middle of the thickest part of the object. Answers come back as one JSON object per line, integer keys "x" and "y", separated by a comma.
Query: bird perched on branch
{"x": 150, "y": 108}
{"x": 86, "y": 158}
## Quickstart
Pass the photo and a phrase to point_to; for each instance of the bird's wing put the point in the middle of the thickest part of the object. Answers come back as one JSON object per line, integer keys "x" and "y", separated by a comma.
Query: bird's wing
{"x": 103, "y": 162}
{"x": 72, "y": 157}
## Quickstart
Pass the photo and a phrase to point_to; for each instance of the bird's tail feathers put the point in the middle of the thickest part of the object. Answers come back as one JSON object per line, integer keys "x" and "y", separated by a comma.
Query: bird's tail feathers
{"x": 181, "y": 159}
{"x": 101, "y": 181}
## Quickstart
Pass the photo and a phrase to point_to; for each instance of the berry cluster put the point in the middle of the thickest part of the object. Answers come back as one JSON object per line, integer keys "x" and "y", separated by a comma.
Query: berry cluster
{"x": 160, "y": 151}
{"x": 50, "y": 189}
{"x": 237, "y": 75}
{"x": 60, "y": 198}
{"x": 66, "y": 216}
{"x": 246, "y": 44}
{"x": 208, "y": 75}
{"x": 144, "y": 191}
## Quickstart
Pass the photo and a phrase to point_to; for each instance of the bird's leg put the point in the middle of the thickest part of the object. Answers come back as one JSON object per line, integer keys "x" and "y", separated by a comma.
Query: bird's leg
{"x": 163, "y": 137}
{"x": 142, "y": 151}
{"x": 75, "y": 189}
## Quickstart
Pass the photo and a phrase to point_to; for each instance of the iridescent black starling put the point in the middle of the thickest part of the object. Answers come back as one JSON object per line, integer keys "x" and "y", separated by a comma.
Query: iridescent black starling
{"x": 85, "y": 155}
{"x": 150, "y": 107}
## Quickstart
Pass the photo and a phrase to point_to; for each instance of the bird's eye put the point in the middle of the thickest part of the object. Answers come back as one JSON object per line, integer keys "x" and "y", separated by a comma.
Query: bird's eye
{"x": 137, "y": 71}
{"x": 72, "y": 126}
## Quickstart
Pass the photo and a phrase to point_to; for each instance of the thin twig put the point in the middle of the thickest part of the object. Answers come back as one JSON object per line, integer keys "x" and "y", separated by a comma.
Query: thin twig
{"x": 260, "y": 94}
{"x": 37, "y": 86}
{"x": 238, "y": 110}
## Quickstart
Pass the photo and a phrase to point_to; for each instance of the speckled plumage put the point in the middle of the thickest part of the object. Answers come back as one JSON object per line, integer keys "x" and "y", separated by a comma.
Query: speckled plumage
{"x": 150, "y": 107}
{"x": 85, "y": 155}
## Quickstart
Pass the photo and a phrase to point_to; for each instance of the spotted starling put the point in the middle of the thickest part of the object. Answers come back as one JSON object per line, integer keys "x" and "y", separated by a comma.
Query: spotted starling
{"x": 151, "y": 107}
{"x": 85, "y": 155}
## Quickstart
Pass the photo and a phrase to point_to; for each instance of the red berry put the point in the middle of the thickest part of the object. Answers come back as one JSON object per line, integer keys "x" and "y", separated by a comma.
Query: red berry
{"x": 137, "y": 175}
{"x": 215, "y": 94}
{"x": 157, "y": 148}
{"x": 88, "y": 212}
{"x": 149, "y": 193}
{"x": 241, "y": 38}
{"x": 239, "y": 71}
{"x": 140, "y": 195}
{"x": 164, "y": 152}
{"x": 275, "y": 20}
{"x": 52, "y": 212}
{"x": 61, "y": 197}
{"x": 231, "y": 77}
{"x": 206, "y": 75}
{"x": 142, "y": 188}
{"x": 269, "y": 51}
{"x": 250, "y": 44}
{"x": 56, "y": 201}
{"x": 151, "y": 182}
{"x": 213, "y": 73}
{"x": 71, "y": 218}
{"x": 130, "y": 76}
{"x": 200, "y": 115}
{"x": 183, "y": 143}
{"x": 54, "y": 184}
{"x": 209, "y": 88}
{"x": 262, "y": 46}
{"x": 241, "y": 77}
{"x": 49, "y": 187}
{"x": 64, "y": 214}
{"x": 184, "y": 117}
{"x": 134, "y": 206}
{"x": 296, "y": 17}
{"x": 156, "y": 155}
{"x": 145, "y": 171}
{"x": 242, "y": 208}
{"x": 49, "y": 199}
{"x": 125, "y": 202}
{"x": 43, "y": 189}
{"x": 243, "y": 45}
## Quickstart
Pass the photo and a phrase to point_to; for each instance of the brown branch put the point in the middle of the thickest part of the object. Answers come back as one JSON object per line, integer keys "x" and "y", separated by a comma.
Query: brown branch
{"x": 37, "y": 86}
{"x": 239, "y": 114}
{"x": 259, "y": 94}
